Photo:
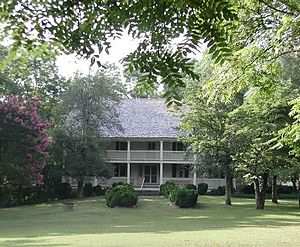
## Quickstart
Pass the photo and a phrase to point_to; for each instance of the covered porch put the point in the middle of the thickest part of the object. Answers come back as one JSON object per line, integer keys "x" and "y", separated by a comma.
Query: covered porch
{"x": 151, "y": 175}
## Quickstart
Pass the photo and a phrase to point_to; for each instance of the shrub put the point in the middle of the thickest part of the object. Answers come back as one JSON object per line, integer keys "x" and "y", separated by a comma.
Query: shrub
{"x": 184, "y": 198}
{"x": 167, "y": 188}
{"x": 202, "y": 188}
{"x": 220, "y": 191}
{"x": 121, "y": 195}
{"x": 116, "y": 184}
{"x": 98, "y": 191}
{"x": 11, "y": 196}
{"x": 285, "y": 189}
{"x": 64, "y": 191}
{"x": 247, "y": 189}
{"x": 191, "y": 187}
{"x": 88, "y": 190}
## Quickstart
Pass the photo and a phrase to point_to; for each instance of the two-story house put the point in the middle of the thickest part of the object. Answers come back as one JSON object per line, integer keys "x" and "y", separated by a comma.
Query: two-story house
{"x": 146, "y": 152}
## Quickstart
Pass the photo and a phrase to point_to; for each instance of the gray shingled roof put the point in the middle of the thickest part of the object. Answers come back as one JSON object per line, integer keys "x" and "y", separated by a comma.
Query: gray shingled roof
{"x": 145, "y": 118}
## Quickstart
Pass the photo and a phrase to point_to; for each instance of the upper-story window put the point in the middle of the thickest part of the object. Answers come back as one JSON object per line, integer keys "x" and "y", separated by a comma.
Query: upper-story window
{"x": 178, "y": 146}
{"x": 151, "y": 145}
{"x": 121, "y": 145}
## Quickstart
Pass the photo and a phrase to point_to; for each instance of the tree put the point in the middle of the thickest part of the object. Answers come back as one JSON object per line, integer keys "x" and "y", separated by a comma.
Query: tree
{"x": 204, "y": 124}
{"x": 87, "y": 110}
{"x": 23, "y": 142}
{"x": 33, "y": 76}
{"x": 168, "y": 31}
{"x": 254, "y": 126}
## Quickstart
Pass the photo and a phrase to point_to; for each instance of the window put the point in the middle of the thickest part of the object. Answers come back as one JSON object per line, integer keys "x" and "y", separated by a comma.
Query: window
{"x": 120, "y": 170}
{"x": 174, "y": 171}
{"x": 181, "y": 171}
{"x": 151, "y": 145}
{"x": 121, "y": 145}
{"x": 178, "y": 146}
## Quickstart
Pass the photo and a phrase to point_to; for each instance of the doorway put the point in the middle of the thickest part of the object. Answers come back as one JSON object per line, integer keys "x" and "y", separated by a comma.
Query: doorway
{"x": 151, "y": 172}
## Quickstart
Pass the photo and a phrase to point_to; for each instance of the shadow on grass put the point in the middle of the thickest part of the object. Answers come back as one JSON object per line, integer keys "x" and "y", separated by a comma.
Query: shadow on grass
{"x": 29, "y": 225}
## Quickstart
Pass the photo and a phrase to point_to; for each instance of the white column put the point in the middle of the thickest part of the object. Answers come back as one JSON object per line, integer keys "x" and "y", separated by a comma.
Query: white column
{"x": 128, "y": 172}
{"x": 161, "y": 170}
{"x": 128, "y": 150}
{"x": 195, "y": 177}
{"x": 161, "y": 165}
{"x": 161, "y": 151}
{"x": 194, "y": 171}
{"x": 128, "y": 162}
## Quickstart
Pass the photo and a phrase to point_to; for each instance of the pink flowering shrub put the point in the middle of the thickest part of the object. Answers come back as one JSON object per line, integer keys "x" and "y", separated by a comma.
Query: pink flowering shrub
{"x": 24, "y": 138}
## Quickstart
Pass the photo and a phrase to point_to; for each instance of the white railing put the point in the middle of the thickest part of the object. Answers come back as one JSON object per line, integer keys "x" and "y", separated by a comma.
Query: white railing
{"x": 177, "y": 155}
{"x": 109, "y": 181}
{"x": 148, "y": 155}
{"x": 143, "y": 183}
{"x": 144, "y": 155}
{"x": 179, "y": 181}
{"x": 116, "y": 154}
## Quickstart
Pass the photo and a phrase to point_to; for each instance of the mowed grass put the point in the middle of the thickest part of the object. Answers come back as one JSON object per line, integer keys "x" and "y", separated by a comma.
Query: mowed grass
{"x": 152, "y": 223}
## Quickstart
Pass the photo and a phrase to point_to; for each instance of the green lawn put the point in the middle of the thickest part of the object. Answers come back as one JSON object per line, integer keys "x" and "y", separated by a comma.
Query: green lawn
{"x": 153, "y": 223}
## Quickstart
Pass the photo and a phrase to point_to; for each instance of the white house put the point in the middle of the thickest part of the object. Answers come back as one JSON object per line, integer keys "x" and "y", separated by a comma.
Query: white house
{"x": 146, "y": 152}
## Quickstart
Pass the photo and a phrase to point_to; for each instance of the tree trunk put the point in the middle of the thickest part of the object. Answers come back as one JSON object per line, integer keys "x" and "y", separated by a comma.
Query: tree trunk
{"x": 274, "y": 189}
{"x": 80, "y": 188}
{"x": 260, "y": 191}
{"x": 228, "y": 185}
{"x": 299, "y": 196}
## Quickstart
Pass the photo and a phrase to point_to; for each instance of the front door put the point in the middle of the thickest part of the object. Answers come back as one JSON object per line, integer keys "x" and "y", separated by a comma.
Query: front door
{"x": 151, "y": 174}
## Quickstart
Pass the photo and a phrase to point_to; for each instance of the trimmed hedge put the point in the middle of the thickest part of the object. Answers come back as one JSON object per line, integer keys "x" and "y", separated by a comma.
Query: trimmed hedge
{"x": 184, "y": 198}
{"x": 220, "y": 191}
{"x": 88, "y": 190}
{"x": 166, "y": 189}
{"x": 282, "y": 189}
{"x": 191, "y": 187}
{"x": 121, "y": 195}
{"x": 202, "y": 188}
{"x": 181, "y": 197}
{"x": 98, "y": 190}
{"x": 10, "y": 196}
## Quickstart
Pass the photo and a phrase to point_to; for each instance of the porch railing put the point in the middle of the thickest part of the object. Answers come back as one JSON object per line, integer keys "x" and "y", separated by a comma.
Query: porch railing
{"x": 144, "y": 155}
{"x": 148, "y": 155}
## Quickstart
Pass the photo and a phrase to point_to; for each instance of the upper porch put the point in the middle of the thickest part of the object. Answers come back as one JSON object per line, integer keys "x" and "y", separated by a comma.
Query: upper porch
{"x": 149, "y": 151}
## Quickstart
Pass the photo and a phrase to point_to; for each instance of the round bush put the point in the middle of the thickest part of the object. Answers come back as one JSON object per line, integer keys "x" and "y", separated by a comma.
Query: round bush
{"x": 247, "y": 189}
{"x": 88, "y": 190}
{"x": 191, "y": 187}
{"x": 116, "y": 184}
{"x": 220, "y": 191}
{"x": 98, "y": 191}
{"x": 184, "y": 198}
{"x": 167, "y": 188}
{"x": 64, "y": 191}
{"x": 202, "y": 188}
{"x": 121, "y": 195}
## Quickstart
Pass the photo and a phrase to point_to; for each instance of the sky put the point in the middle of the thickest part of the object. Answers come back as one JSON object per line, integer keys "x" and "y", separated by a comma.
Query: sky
{"x": 69, "y": 64}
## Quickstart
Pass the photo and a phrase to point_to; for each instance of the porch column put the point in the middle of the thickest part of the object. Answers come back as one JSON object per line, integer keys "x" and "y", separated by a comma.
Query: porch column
{"x": 195, "y": 177}
{"x": 161, "y": 164}
{"x": 161, "y": 170}
{"x": 128, "y": 150}
{"x": 194, "y": 171}
{"x": 128, "y": 162}
{"x": 128, "y": 172}
{"x": 161, "y": 151}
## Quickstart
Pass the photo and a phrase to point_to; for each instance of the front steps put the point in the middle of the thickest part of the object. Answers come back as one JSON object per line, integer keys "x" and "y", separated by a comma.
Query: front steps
{"x": 148, "y": 189}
